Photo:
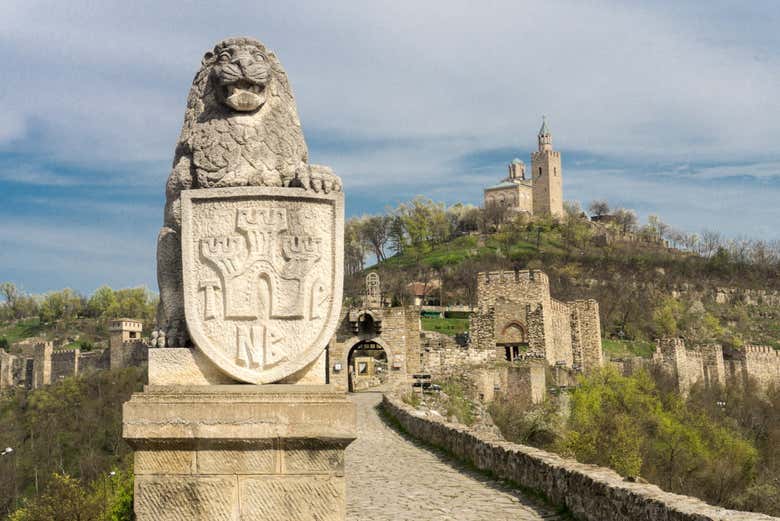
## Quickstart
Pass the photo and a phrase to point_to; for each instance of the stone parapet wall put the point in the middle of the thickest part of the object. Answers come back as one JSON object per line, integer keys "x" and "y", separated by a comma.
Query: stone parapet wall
{"x": 591, "y": 493}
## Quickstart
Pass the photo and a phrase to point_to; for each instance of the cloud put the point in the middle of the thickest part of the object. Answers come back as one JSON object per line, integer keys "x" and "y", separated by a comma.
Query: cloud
{"x": 669, "y": 106}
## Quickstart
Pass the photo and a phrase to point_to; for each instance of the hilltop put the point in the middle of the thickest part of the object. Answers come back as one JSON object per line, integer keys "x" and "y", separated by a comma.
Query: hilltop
{"x": 650, "y": 281}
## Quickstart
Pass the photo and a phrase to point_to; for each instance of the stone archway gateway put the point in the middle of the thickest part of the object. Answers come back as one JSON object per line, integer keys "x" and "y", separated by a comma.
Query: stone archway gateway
{"x": 367, "y": 366}
{"x": 512, "y": 341}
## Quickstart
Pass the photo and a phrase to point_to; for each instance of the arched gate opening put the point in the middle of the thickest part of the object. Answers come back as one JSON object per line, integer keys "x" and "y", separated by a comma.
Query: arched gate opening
{"x": 367, "y": 365}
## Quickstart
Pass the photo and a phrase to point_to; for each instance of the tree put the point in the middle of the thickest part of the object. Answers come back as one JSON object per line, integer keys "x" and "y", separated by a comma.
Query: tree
{"x": 375, "y": 232}
{"x": 61, "y": 305}
{"x": 598, "y": 208}
{"x": 424, "y": 222}
{"x": 10, "y": 293}
{"x": 64, "y": 500}
{"x": 354, "y": 249}
{"x": 626, "y": 219}
{"x": 101, "y": 301}
{"x": 658, "y": 227}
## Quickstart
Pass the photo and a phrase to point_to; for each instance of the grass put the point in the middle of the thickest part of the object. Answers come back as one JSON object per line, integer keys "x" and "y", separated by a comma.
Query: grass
{"x": 447, "y": 326}
{"x": 20, "y": 330}
{"x": 627, "y": 348}
{"x": 458, "y": 405}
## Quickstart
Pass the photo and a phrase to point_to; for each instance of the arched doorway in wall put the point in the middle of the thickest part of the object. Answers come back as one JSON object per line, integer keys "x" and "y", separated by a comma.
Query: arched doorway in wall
{"x": 367, "y": 365}
{"x": 514, "y": 341}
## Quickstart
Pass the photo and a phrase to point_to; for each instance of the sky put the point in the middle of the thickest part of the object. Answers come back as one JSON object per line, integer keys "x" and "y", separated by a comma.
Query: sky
{"x": 666, "y": 107}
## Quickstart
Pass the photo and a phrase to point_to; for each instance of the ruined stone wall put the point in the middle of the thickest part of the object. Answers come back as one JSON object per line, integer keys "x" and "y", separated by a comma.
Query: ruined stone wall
{"x": 685, "y": 366}
{"x": 762, "y": 363}
{"x": 412, "y": 340}
{"x": 481, "y": 326}
{"x": 591, "y": 493}
{"x": 64, "y": 364}
{"x": 523, "y": 383}
{"x": 42, "y": 365}
{"x": 513, "y": 297}
{"x": 12, "y": 372}
{"x": 98, "y": 360}
{"x": 713, "y": 366}
{"x": 558, "y": 333}
{"x": 567, "y": 332}
{"x": 128, "y": 354}
{"x": 708, "y": 364}
{"x": 442, "y": 354}
{"x": 587, "y": 351}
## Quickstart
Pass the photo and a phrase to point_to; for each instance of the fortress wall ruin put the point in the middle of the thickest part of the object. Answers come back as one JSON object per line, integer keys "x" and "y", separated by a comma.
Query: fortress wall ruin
{"x": 92, "y": 361}
{"x": 63, "y": 364}
{"x": 559, "y": 333}
{"x": 441, "y": 354}
{"x": 567, "y": 333}
{"x": 762, "y": 363}
{"x": 707, "y": 364}
{"x": 11, "y": 369}
{"x": 586, "y": 334}
{"x": 129, "y": 353}
{"x": 589, "y": 492}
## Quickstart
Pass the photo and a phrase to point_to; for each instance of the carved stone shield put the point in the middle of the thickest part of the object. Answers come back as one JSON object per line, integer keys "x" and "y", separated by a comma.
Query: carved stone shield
{"x": 262, "y": 273}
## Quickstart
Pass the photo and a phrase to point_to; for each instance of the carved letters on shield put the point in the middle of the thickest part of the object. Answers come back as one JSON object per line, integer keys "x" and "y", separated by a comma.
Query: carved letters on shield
{"x": 260, "y": 271}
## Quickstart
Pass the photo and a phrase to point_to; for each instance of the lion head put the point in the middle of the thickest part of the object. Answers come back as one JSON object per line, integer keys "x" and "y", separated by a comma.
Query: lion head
{"x": 240, "y": 72}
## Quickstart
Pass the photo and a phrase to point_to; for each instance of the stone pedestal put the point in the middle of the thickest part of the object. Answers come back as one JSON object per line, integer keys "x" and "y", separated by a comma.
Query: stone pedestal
{"x": 239, "y": 452}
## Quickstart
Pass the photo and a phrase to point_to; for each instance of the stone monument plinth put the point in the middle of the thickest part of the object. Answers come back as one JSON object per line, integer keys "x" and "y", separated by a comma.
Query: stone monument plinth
{"x": 237, "y": 422}
{"x": 239, "y": 452}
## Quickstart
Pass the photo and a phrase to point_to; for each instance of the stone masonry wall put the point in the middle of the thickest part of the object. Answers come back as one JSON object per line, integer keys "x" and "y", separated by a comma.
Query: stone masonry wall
{"x": 558, "y": 320}
{"x": 64, "y": 364}
{"x": 707, "y": 364}
{"x": 591, "y": 493}
{"x": 11, "y": 370}
{"x": 586, "y": 334}
{"x": 92, "y": 361}
{"x": 762, "y": 363}
{"x": 442, "y": 354}
{"x": 126, "y": 354}
{"x": 567, "y": 332}
{"x": 398, "y": 335}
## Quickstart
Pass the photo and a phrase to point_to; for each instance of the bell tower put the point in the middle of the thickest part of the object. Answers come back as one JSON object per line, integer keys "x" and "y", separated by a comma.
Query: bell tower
{"x": 547, "y": 176}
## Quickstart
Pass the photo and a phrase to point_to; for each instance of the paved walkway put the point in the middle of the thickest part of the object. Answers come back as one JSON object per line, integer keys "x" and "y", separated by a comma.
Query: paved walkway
{"x": 391, "y": 478}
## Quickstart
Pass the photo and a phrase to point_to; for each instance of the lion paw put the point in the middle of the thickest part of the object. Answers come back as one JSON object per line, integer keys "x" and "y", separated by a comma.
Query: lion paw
{"x": 322, "y": 179}
{"x": 171, "y": 335}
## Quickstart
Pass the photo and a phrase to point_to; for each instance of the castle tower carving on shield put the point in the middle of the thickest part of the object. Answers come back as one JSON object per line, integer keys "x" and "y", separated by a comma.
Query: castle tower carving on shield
{"x": 547, "y": 176}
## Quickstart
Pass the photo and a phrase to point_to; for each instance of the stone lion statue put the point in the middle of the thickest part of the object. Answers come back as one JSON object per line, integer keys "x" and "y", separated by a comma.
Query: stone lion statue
{"x": 241, "y": 128}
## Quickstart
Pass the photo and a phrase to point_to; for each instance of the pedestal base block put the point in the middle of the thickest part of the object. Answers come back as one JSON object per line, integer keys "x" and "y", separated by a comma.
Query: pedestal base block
{"x": 239, "y": 452}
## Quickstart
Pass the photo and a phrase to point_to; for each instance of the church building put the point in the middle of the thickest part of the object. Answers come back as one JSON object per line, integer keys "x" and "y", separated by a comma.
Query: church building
{"x": 541, "y": 193}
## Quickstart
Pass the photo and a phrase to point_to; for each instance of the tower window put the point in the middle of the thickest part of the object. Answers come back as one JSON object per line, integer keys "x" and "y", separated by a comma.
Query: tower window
{"x": 555, "y": 171}
{"x": 540, "y": 171}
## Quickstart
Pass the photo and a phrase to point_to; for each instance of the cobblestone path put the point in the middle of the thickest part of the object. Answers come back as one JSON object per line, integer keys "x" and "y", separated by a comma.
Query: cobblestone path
{"x": 391, "y": 478}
